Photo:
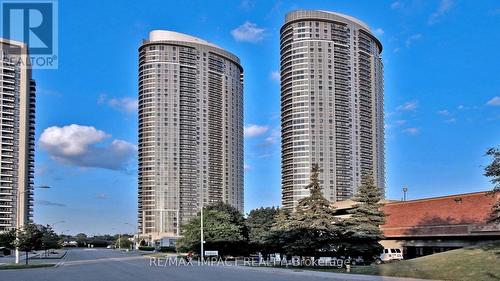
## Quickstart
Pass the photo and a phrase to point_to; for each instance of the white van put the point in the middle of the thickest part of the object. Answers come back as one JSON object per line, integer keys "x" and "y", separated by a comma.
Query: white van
{"x": 390, "y": 254}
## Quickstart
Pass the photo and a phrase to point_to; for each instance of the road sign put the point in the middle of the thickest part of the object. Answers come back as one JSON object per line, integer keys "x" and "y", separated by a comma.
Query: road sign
{"x": 211, "y": 253}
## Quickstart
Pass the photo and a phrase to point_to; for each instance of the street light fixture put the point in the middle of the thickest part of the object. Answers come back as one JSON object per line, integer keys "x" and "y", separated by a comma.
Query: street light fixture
{"x": 57, "y": 223}
{"x": 135, "y": 233}
{"x": 17, "y": 226}
{"x": 119, "y": 237}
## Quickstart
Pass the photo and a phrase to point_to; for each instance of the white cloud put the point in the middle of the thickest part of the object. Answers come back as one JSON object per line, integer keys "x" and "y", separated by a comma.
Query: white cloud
{"x": 449, "y": 117}
{"x": 396, "y": 5}
{"x": 395, "y": 124}
{"x": 444, "y": 7}
{"x": 272, "y": 138}
{"x": 247, "y": 168}
{"x": 275, "y": 76}
{"x": 247, "y": 5}
{"x": 253, "y": 130}
{"x": 411, "y": 131}
{"x": 408, "y": 106}
{"x": 77, "y": 145}
{"x": 494, "y": 12}
{"x": 379, "y": 31}
{"x": 248, "y": 32}
{"x": 49, "y": 203}
{"x": 101, "y": 196}
{"x": 495, "y": 101}
{"x": 444, "y": 112}
{"x": 410, "y": 40}
{"x": 126, "y": 104}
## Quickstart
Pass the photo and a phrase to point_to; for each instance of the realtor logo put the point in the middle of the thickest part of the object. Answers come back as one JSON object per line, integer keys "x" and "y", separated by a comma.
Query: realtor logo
{"x": 35, "y": 24}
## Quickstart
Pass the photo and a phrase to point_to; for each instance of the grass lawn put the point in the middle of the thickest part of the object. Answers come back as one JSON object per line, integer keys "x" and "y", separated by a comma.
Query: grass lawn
{"x": 23, "y": 266}
{"x": 161, "y": 255}
{"x": 475, "y": 263}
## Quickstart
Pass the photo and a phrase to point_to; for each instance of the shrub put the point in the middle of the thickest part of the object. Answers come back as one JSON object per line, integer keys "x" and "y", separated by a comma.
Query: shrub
{"x": 167, "y": 249}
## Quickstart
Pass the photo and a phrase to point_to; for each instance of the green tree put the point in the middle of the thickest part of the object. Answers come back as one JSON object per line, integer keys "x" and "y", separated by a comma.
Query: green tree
{"x": 7, "y": 238}
{"x": 224, "y": 230}
{"x": 277, "y": 237}
{"x": 259, "y": 223}
{"x": 493, "y": 171}
{"x": 123, "y": 242}
{"x": 29, "y": 238}
{"x": 81, "y": 239}
{"x": 50, "y": 240}
{"x": 312, "y": 229}
{"x": 361, "y": 231}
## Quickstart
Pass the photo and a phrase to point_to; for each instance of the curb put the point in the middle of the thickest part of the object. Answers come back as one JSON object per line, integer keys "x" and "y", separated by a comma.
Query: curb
{"x": 63, "y": 258}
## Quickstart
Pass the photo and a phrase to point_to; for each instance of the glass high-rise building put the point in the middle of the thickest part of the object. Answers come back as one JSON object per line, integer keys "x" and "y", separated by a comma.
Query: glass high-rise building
{"x": 17, "y": 135}
{"x": 332, "y": 102}
{"x": 190, "y": 130}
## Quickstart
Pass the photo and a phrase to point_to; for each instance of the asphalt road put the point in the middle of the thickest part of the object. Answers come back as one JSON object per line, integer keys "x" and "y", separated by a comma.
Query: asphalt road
{"x": 110, "y": 265}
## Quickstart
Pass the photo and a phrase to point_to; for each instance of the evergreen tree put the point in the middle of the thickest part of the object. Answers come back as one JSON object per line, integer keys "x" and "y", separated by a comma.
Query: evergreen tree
{"x": 361, "y": 231}
{"x": 312, "y": 229}
{"x": 493, "y": 171}
{"x": 259, "y": 223}
{"x": 277, "y": 236}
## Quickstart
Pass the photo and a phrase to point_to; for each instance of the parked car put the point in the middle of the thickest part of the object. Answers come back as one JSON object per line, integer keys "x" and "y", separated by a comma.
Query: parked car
{"x": 356, "y": 260}
{"x": 390, "y": 254}
{"x": 110, "y": 247}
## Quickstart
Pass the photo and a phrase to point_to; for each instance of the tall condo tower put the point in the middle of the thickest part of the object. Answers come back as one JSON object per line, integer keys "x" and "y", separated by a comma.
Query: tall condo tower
{"x": 332, "y": 101}
{"x": 17, "y": 123}
{"x": 190, "y": 130}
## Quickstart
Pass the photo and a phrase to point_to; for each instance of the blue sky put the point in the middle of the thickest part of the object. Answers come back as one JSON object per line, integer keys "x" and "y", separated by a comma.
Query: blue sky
{"x": 442, "y": 93}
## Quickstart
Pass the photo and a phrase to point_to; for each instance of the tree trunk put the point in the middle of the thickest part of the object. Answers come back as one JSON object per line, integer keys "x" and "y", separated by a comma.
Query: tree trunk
{"x": 26, "y": 257}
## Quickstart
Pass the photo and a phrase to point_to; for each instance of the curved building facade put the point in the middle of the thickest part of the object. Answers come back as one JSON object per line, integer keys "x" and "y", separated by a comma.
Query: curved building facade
{"x": 190, "y": 130}
{"x": 332, "y": 102}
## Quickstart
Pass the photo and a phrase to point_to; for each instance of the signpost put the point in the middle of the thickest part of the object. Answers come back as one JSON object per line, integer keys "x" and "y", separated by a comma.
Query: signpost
{"x": 211, "y": 253}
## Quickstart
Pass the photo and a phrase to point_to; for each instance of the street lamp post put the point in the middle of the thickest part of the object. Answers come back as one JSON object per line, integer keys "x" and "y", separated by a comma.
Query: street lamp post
{"x": 202, "y": 238}
{"x": 135, "y": 238}
{"x": 17, "y": 226}
{"x": 201, "y": 233}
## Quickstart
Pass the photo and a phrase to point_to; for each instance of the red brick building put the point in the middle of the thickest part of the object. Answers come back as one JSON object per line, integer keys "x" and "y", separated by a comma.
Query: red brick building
{"x": 431, "y": 225}
{"x": 426, "y": 226}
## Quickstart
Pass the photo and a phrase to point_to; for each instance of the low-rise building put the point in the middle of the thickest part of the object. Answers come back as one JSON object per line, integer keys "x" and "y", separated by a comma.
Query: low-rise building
{"x": 432, "y": 225}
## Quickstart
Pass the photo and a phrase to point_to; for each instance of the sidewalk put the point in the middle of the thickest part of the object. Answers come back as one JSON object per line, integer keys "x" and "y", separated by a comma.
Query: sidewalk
{"x": 12, "y": 257}
{"x": 58, "y": 255}
{"x": 331, "y": 275}
{"x": 34, "y": 258}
